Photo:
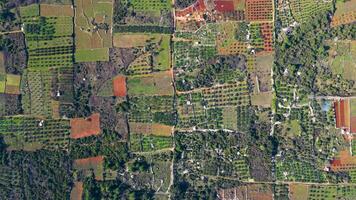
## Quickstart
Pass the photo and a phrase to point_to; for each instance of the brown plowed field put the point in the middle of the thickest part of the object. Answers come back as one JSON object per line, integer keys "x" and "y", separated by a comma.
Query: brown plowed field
{"x": 120, "y": 86}
{"x": 77, "y": 191}
{"x": 81, "y": 127}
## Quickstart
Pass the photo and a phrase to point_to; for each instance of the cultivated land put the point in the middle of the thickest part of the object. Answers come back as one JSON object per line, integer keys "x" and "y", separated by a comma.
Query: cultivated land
{"x": 190, "y": 99}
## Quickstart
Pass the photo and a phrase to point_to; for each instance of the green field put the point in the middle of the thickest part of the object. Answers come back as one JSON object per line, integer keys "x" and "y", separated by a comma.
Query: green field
{"x": 91, "y": 55}
{"x": 36, "y": 96}
{"x": 158, "y": 83}
{"x": 29, "y": 134}
{"x": 49, "y": 39}
{"x": 144, "y": 143}
{"x": 150, "y": 5}
{"x": 30, "y": 11}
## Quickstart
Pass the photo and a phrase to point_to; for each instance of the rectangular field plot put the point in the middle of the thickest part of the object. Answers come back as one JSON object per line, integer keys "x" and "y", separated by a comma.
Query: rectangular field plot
{"x": 342, "y": 58}
{"x": 145, "y": 143}
{"x": 91, "y": 55}
{"x": 84, "y": 127}
{"x": 155, "y": 58}
{"x": 208, "y": 108}
{"x": 30, "y": 11}
{"x": 156, "y": 109}
{"x": 301, "y": 171}
{"x": 302, "y": 10}
{"x": 159, "y": 83}
{"x": 151, "y": 129}
{"x": 77, "y": 191}
{"x": 93, "y": 21}
{"x": 259, "y": 10}
{"x": 89, "y": 165}
{"x": 252, "y": 191}
{"x": 36, "y": 92}
{"x": 52, "y": 10}
{"x": 29, "y": 134}
{"x": 345, "y": 13}
{"x": 49, "y": 40}
{"x": 150, "y": 5}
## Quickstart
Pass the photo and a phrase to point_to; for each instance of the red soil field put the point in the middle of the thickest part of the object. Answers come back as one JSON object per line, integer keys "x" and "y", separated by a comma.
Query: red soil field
{"x": 337, "y": 114}
{"x": 342, "y": 113}
{"x": 224, "y": 6}
{"x": 77, "y": 191}
{"x": 259, "y": 10}
{"x": 81, "y": 127}
{"x": 344, "y": 162}
{"x": 198, "y": 6}
{"x": 184, "y": 12}
{"x": 86, "y": 163}
{"x": 267, "y": 33}
{"x": 120, "y": 86}
{"x": 92, "y": 163}
{"x": 353, "y": 124}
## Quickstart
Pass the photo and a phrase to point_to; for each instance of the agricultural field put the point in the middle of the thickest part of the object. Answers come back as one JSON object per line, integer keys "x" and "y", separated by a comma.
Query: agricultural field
{"x": 153, "y": 54}
{"x": 305, "y": 9}
{"x": 183, "y": 99}
{"x": 158, "y": 83}
{"x": 49, "y": 39}
{"x": 156, "y": 109}
{"x": 150, "y": 16}
{"x": 30, "y": 134}
{"x": 207, "y": 108}
{"x": 342, "y": 56}
{"x": 89, "y": 126}
{"x": 93, "y": 21}
{"x": 146, "y": 143}
{"x": 252, "y": 191}
{"x": 259, "y": 10}
{"x": 36, "y": 91}
{"x": 86, "y": 166}
{"x": 55, "y": 10}
{"x": 345, "y": 13}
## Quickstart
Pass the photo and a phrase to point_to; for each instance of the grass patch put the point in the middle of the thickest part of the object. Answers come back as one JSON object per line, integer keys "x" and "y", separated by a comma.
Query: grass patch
{"x": 92, "y": 55}
{"x": 159, "y": 83}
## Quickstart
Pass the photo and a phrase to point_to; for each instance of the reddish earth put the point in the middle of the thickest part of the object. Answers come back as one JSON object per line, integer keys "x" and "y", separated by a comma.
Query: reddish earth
{"x": 267, "y": 33}
{"x": 342, "y": 114}
{"x": 224, "y": 6}
{"x": 85, "y": 163}
{"x": 344, "y": 162}
{"x": 77, "y": 191}
{"x": 119, "y": 83}
{"x": 184, "y": 12}
{"x": 353, "y": 124}
{"x": 198, "y": 6}
{"x": 258, "y": 10}
{"x": 89, "y": 165}
{"x": 84, "y": 127}
{"x": 337, "y": 114}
